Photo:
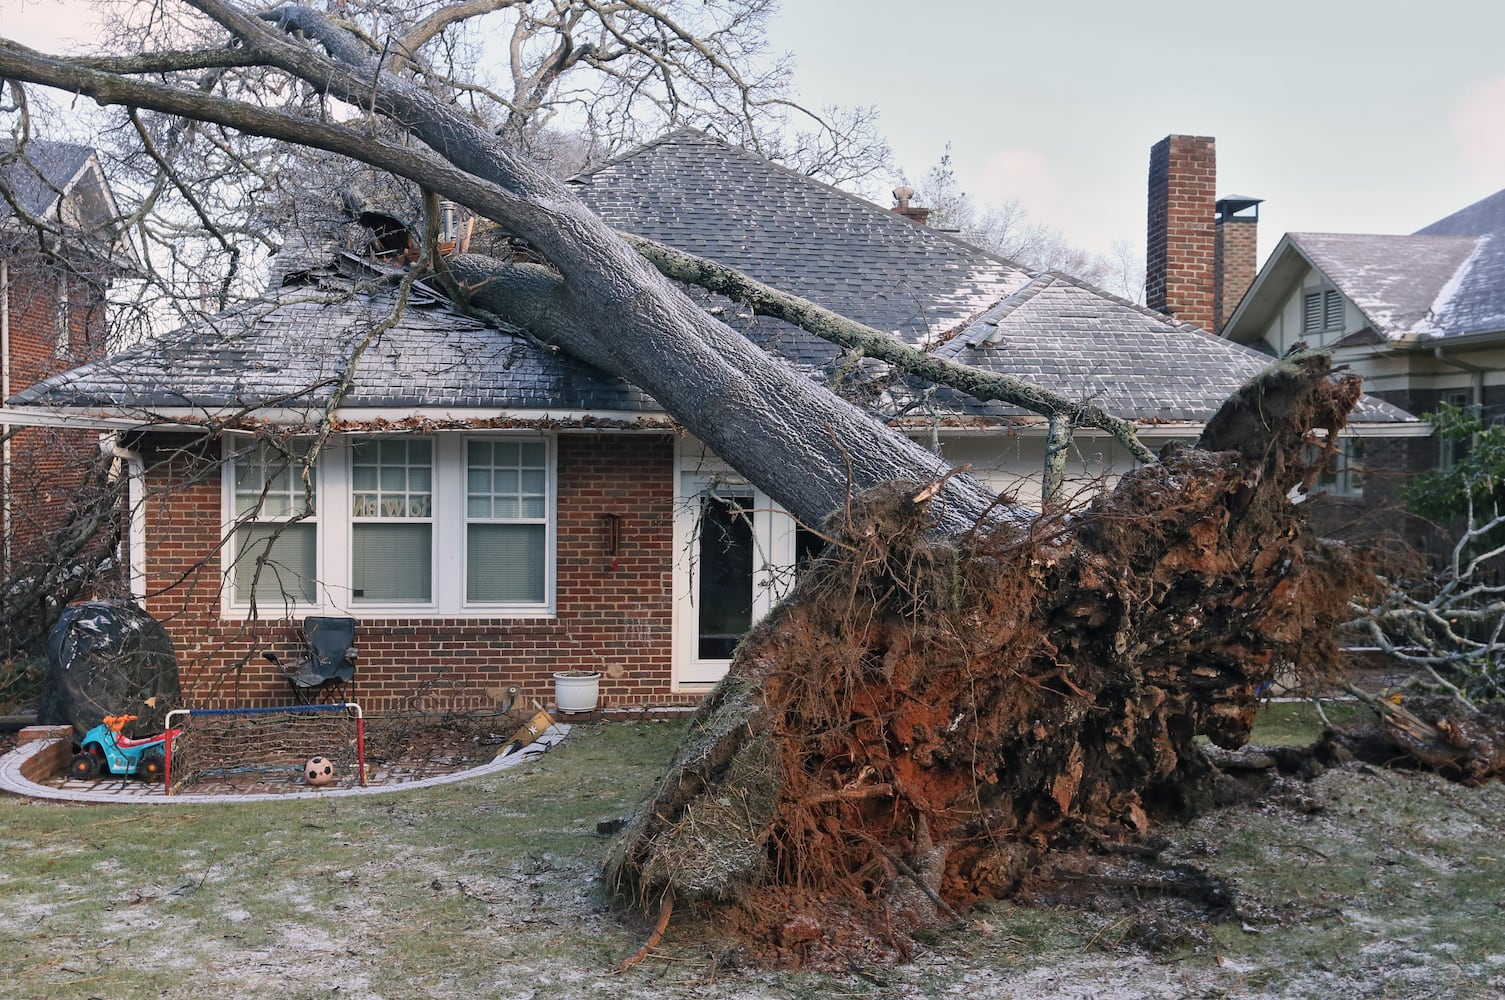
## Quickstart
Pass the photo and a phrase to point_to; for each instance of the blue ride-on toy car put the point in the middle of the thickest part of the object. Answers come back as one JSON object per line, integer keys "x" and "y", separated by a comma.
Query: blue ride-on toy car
{"x": 106, "y": 748}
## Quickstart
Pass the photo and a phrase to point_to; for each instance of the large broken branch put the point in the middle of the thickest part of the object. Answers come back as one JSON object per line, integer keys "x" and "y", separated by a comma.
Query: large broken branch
{"x": 796, "y": 441}
{"x": 766, "y": 300}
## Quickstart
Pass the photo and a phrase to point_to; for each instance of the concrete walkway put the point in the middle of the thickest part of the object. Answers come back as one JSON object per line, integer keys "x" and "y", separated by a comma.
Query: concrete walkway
{"x": 133, "y": 791}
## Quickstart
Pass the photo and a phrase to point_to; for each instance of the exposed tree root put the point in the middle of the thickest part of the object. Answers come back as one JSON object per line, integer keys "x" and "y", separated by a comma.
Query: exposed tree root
{"x": 927, "y": 718}
{"x": 665, "y": 909}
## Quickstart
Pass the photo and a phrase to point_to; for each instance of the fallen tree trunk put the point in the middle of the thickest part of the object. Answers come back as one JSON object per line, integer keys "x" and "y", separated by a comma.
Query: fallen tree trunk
{"x": 924, "y": 719}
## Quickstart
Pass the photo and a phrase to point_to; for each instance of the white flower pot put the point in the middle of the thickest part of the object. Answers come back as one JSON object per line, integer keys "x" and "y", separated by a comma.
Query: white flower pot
{"x": 577, "y": 691}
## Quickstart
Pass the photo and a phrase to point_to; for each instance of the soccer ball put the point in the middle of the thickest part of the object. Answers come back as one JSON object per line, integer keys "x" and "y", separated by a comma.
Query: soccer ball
{"x": 318, "y": 771}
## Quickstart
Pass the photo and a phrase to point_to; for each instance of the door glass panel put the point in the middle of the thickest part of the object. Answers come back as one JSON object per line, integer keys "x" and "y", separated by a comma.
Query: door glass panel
{"x": 725, "y": 585}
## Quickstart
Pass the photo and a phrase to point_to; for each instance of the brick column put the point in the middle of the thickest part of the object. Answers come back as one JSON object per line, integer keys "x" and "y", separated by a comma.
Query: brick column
{"x": 1233, "y": 265}
{"x": 1179, "y": 247}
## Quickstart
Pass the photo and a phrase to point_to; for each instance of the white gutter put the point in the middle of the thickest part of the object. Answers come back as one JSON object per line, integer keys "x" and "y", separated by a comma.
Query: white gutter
{"x": 1440, "y": 353}
{"x": 133, "y": 545}
{"x": 27, "y": 416}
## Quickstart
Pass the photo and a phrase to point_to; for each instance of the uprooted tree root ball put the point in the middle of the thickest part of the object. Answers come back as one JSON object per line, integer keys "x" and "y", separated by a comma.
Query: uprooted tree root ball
{"x": 926, "y": 718}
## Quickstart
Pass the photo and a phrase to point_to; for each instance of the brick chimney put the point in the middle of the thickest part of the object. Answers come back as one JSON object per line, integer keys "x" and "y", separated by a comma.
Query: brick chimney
{"x": 1180, "y": 246}
{"x": 1236, "y": 222}
{"x": 919, "y": 216}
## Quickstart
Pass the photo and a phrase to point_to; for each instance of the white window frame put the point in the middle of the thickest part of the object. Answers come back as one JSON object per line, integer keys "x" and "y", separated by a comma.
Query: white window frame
{"x": 234, "y": 520}
{"x": 347, "y": 568}
{"x": 1344, "y": 475}
{"x": 1450, "y": 453}
{"x": 547, "y": 520}
{"x": 448, "y": 520}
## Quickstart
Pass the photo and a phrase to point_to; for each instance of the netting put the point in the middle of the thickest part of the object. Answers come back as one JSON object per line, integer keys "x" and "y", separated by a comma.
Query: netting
{"x": 239, "y": 746}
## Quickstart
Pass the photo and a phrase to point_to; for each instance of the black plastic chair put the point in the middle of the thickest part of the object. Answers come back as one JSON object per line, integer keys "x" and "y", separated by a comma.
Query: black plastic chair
{"x": 328, "y": 668}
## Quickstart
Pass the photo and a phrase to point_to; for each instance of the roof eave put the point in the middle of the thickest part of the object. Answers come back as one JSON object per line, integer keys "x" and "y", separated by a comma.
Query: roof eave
{"x": 352, "y": 419}
{"x": 1429, "y": 342}
{"x": 1255, "y": 296}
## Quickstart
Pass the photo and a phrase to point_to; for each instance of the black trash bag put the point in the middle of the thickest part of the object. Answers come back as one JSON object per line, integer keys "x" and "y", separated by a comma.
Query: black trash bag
{"x": 109, "y": 658}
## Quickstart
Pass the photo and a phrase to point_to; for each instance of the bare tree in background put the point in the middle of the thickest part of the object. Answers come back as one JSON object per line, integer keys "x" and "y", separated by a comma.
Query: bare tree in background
{"x": 1008, "y": 231}
{"x": 570, "y": 84}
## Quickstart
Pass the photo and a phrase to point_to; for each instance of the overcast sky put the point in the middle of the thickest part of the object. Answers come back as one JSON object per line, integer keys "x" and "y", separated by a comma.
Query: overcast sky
{"x": 1345, "y": 115}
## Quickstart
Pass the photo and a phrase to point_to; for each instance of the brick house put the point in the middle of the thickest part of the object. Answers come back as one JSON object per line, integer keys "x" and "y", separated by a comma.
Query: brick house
{"x": 1421, "y": 317}
{"x": 60, "y": 246}
{"x": 492, "y": 512}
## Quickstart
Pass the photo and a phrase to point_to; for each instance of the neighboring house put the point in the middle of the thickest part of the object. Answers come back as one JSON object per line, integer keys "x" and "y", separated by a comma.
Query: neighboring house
{"x": 492, "y": 512}
{"x": 1420, "y": 317}
{"x": 60, "y": 246}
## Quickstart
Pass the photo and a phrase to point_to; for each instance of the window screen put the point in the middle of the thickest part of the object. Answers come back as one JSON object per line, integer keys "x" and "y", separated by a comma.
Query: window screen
{"x": 276, "y": 550}
{"x": 506, "y": 512}
{"x": 391, "y": 535}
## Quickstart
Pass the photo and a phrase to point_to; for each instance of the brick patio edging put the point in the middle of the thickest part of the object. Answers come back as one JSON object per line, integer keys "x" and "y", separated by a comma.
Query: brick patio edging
{"x": 14, "y": 767}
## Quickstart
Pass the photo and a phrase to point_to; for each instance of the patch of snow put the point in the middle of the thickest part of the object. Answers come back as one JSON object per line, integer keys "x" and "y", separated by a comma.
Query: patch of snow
{"x": 1433, "y": 323}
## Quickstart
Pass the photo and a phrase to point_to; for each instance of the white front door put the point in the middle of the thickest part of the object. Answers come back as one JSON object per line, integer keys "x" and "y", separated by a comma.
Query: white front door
{"x": 734, "y": 558}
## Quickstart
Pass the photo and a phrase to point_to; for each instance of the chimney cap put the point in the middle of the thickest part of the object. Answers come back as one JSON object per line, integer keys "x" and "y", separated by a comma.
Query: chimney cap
{"x": 902, "y": 195}
{"x": 1230, "y": 205}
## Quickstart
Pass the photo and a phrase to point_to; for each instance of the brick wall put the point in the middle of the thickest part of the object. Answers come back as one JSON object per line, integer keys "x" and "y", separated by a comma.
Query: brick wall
{"x": 1234, "y": 257}
{"x": 49, "y": 466}
{"x": 1179, "y": 246}
{"x": 614, "y": 613}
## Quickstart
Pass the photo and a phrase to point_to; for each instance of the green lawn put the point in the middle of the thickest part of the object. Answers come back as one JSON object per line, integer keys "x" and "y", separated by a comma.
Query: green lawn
{"x": 1362, "y": 884}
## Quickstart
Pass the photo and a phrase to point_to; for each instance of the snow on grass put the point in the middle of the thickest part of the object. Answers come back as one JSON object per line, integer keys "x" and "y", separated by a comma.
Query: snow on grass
{"x": 1359, "y": 884}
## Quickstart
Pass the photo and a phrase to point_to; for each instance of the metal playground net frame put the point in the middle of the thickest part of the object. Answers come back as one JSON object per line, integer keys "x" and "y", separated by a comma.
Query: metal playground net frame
{"x": 266, "y": 743}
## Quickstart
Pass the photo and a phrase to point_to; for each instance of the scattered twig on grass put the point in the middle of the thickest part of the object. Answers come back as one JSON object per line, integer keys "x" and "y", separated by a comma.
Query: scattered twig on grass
{"x": 1301, "y": 847}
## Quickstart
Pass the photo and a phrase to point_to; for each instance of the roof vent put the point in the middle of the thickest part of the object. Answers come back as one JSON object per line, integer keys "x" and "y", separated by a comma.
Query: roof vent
{"x": 902, "y": 196}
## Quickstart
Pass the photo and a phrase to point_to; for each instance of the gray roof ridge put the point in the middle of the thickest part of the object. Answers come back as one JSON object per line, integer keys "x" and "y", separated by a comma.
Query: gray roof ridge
{"x": 1462, "y": 215}
{"x": 1377, "y": 236}
{"x": 973, "y": 332}
{"x": 1037, "y": 283}
{"x": 764, "y": 161}
{"x": 1139, "y": 307}
{"x": 674, "y": 133}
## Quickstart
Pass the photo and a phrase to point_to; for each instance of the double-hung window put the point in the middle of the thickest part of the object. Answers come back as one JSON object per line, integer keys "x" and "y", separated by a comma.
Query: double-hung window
{"x": 276, "y": 531}
{"x": 506, "y": 521}
{"x": 1343, "y": 473}
{"x": 392, "y": 521}
{"x": 447, "y": 524}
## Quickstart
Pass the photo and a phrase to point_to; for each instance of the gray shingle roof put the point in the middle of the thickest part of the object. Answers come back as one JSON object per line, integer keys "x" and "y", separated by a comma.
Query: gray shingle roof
{"x": 1485, "y": 216}
{"x": 37, "y": 174}
{"x": 698, "y": 194}
{"x": 264, "y": 352}
{"x": 1441, "y": 286}
{"x": 1073, "y": 339}
{"x": 1395, "y": 281}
